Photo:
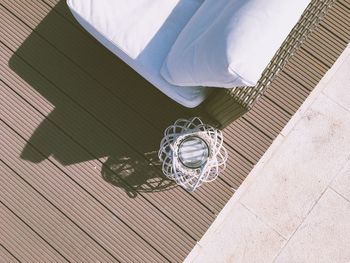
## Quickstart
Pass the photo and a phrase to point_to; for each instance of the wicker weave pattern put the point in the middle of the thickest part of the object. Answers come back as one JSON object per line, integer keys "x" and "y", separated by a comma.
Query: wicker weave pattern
{"x": 219, "y": 106}
{"x": 247, "y": 96}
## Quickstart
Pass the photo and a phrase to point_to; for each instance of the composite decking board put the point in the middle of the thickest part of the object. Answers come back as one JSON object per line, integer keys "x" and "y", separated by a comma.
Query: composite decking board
{"x": 330, "y": 27}
{"x": 198, "y": 212}
{"x": 342, "y": 15}
{"x": 338, "y": 23}
{"x": 287, "y": 89}
{"x": 329, "y": 48}
{"x": 248, "y": 140}
{"x": 314, "y": 70}
{"x": 6, "y": 256}
{"x": 63, "y": 10}
{"x": 341, "y": 10}
{"x": 312, "y": 75}
{"x": 46, "y": 221}
{"x": 269, "y": 114}
{"x": 25, "y": 247}
{"x": 240, "y": 166}
{"x": 161, "y": 229}
{"x": 234, "y": 135}
{"x": 22, "y": 241}
{"x": 273, "y": 114}
{"x": 74, "y": 53}
{"x": 346, "y": 4}
{"x": 144, "y": 212}
{"x": 306, "y": 69}
{"x": 101, "y": 75}
{"x": 197, "y": 195}
{"x": 80, "y": 212}
{"x": 133, "y": 133}
{"x": 286, "y": 100}
{"x": 55, "y": 29}
{"x": 84, "y": 212}
{"x": 53, "y": 22}
{"x": 192, "y": 217}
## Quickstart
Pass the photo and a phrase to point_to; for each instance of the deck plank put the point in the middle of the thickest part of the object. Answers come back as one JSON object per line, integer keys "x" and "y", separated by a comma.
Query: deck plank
{"x": 83, "y": 120}
{"x": 159, "y": 111}
{"x": 295, "y": 82}
{"x": 6, "y": 256}
{"x": 198, "y": 212}
{"x": 59, "y": 232}
{"x": 98, "y": 100}
{"x": 89, "y": 215}
{"x": 24, "y": 243}
{"x": 88, "y": 177}
{"x": 88, "y": 140}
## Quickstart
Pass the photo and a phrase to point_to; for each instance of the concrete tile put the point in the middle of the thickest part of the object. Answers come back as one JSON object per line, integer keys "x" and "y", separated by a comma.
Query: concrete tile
{"x": 302, "y": 167}
{"x": 326, "y": 83}
{"x": 324, "y": 236}
{"x": 229, "y": 207}
{"x": 341, "y": 183}
{"x": 239, "y": 237}
{"x": 339, "y": 87}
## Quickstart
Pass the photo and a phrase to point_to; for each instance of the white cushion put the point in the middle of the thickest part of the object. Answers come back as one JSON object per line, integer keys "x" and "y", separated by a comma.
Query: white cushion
{"x": 228, "y": 43}
{"x": 141, "y": 32}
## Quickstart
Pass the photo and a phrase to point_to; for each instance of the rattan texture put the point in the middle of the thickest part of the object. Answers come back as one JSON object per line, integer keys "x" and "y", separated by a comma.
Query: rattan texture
{"x": 218, "y": 107}
{"x": 247, "y": 96}
{"x": 174, "y": 169}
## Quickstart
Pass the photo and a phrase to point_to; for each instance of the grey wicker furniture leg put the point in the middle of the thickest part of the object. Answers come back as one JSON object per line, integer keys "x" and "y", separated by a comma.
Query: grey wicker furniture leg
{"x": 227, "y": 105}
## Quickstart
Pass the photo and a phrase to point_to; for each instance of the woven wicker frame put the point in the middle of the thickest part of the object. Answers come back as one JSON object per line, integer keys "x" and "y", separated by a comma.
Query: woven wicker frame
{"x": 226, "y": 105}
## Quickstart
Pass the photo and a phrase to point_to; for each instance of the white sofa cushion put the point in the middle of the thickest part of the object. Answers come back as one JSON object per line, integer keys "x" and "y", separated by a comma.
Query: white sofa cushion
{"x": 141, "y": 32}
{"x": 228, "y": 43}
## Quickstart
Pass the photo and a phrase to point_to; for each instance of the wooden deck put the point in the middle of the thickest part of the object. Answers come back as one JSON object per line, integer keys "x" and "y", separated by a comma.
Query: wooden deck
{"x": 79, "y": 134}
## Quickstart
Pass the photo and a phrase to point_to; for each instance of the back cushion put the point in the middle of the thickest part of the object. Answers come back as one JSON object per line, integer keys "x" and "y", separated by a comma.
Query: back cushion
{"x": 229, "y": 43}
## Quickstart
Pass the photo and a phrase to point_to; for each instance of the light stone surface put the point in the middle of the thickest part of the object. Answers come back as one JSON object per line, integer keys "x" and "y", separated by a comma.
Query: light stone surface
{"x": 341, "y": 183}
{"x": 299, "y": 191}
{"x": 324, "y": 236}
{"x": 240, "y": 233}
{"x": 295, "y": 178}
{"x": 328, "y": 83}
{"x": 339, "y": 88}
{"x": 223, "y": 223}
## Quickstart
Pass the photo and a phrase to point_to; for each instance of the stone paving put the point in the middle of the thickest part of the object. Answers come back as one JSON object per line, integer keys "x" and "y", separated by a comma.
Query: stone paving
{"x": 295, "y": 204}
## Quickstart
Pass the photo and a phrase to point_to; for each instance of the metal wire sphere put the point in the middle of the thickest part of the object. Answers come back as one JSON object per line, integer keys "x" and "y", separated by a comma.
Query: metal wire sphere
{"x": 174, "y": 168}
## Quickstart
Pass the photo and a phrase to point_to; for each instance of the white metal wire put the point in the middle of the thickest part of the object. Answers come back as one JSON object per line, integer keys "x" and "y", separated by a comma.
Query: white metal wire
{"x": 173, "y": 168}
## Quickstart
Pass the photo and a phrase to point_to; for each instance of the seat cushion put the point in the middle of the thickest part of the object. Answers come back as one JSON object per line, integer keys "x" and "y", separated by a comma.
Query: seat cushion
{"x": 229, "y": 43}
{"x": 141, "y": 32}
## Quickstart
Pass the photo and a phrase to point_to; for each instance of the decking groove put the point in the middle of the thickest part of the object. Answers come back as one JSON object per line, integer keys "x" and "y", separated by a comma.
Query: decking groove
{"x": 79, "y": 134}
{"x": 77, "y": 206}
{"x": 10, "y": 184}
{"x": 167, "y": 111}
{"x": 26, "y": 110}
{"x": 79, "y": 79}
{"x": 183, "y": 195}
{"x": 18, "y": 234}
{"x": 7, "y": 256}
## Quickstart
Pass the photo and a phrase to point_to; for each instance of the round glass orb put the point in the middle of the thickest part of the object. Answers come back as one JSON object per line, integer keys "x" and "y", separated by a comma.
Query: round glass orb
{"x": 193, "y": 152}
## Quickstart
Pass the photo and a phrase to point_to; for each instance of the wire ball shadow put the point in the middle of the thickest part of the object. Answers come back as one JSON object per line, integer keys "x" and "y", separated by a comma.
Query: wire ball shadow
{"x": 135, "y": 176}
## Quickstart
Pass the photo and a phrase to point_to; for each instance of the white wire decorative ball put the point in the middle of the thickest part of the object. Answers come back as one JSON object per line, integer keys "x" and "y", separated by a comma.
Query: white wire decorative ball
{"x": 192, "y": 153}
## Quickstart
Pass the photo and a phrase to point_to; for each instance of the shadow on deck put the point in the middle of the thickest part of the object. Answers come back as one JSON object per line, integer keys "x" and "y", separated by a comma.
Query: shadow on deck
{"x": 99, "y": 102}
{"x": 72, "y": 113}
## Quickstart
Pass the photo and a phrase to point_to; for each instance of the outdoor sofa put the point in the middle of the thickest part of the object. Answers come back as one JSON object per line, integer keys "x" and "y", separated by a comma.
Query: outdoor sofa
{"x": 142, "y": 33}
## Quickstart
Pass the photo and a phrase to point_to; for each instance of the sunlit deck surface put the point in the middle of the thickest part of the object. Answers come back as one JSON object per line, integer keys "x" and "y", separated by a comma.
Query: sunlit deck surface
{"x": 80, "y": 130}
